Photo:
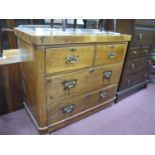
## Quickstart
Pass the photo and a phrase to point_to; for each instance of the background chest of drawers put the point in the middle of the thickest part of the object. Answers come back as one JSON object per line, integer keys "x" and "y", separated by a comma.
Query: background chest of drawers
{"x": 135, "y": 73}
{"x": 68, "y": 77}
{"x": 152, "y": 55}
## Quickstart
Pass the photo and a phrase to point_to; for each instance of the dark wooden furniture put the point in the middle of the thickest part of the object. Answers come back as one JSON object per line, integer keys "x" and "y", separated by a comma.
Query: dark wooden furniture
{"x": 69, "y": 74}
{"x": 10, "y": 77}
{"x": 152, "y": 56}
{"x": 135, "y": 73}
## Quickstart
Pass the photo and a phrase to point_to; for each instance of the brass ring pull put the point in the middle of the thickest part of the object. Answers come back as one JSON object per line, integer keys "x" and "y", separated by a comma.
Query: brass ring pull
{"x": 69, "y": 84}
{"x": 68, "y": 108}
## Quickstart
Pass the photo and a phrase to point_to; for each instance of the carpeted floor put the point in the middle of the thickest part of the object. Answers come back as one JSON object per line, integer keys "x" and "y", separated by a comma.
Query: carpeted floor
{"x": 133, "y": 115}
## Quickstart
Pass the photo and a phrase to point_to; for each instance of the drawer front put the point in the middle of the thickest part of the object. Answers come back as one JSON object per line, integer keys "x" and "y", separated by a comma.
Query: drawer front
{"x": 107, "y": 54}
{"x": 145, "y": 22}
{"x": 68, "y": 58}
{"x": 136, "y": 65}
{"x": 143, "y": 37}
{"x": 70, "y": 85}
{"x": 152, "y": 50}
{"x": 138, "y": 52}
{"x": 131, "y": 80}
{"x": 61, "y": 110}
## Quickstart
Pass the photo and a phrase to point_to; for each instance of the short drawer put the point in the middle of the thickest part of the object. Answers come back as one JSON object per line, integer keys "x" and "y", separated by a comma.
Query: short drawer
{"x": 68, "y": 58}
{"x": 133, "y": 79}
{"x": 64, "y": 86}
{"x": 138, "y": 52}
{"x": 59, "y": 111}
{"x": 136, "y": 65}
{"x": 107, "y": 54}
{"x": 143, "y": 37}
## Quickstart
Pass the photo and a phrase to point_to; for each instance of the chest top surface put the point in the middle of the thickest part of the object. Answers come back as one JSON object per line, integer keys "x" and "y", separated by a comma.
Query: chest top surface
{"x": 44, "y": 35}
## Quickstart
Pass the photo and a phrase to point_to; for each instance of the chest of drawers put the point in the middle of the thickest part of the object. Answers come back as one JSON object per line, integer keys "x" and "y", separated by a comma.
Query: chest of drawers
{"x": 68, "y": 75}
{"x": 138, "y": 63}
{"x": 135, "y": 74}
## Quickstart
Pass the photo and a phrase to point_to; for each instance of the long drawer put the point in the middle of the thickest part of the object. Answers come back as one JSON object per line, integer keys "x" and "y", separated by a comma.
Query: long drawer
{"x": 138, "y": 52}
{"x": 68, "y": 58}
{"x": 58, "y": 111}
{"x": 77, "y": 83}
{"x": 136, "y": 65}
{"x": 111, "y": 53}
{"x": 133, "y": 79}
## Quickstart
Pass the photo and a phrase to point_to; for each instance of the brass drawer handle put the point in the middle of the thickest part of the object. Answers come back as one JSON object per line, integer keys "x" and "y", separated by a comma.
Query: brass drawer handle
{"x": 72, "y": 59}
{"x": 133, "y": 66}
{"x": 107, "y": 74}
{"x": 134, "y": 52}
{"x": 72, "y": 49}
{"x": 103, "y": 95}
{"x": 146, "y": 51}
{"x": 140, "y": 36}
{"x": 146, "y": 75}
{"x": 69, "y": 84}
{"x": 150, "y": 62}
{"x": 129, "y": 82}
{"x": 111, "y": 55}
{"x": 68, "y": 108}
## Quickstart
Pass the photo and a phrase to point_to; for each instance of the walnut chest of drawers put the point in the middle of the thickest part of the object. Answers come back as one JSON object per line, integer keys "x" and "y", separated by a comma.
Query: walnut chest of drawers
{"x": 135, "y": 74}
{"x": 68, "y": 75}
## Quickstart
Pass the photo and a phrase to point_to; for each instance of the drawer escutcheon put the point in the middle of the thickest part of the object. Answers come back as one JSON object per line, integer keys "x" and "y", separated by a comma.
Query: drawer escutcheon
{"x": 72, "y": 49}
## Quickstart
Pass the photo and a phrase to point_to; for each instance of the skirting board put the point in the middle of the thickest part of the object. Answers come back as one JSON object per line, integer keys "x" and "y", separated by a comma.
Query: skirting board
{"x": 60, "y": 124}
{"x": 131, "y": 90}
